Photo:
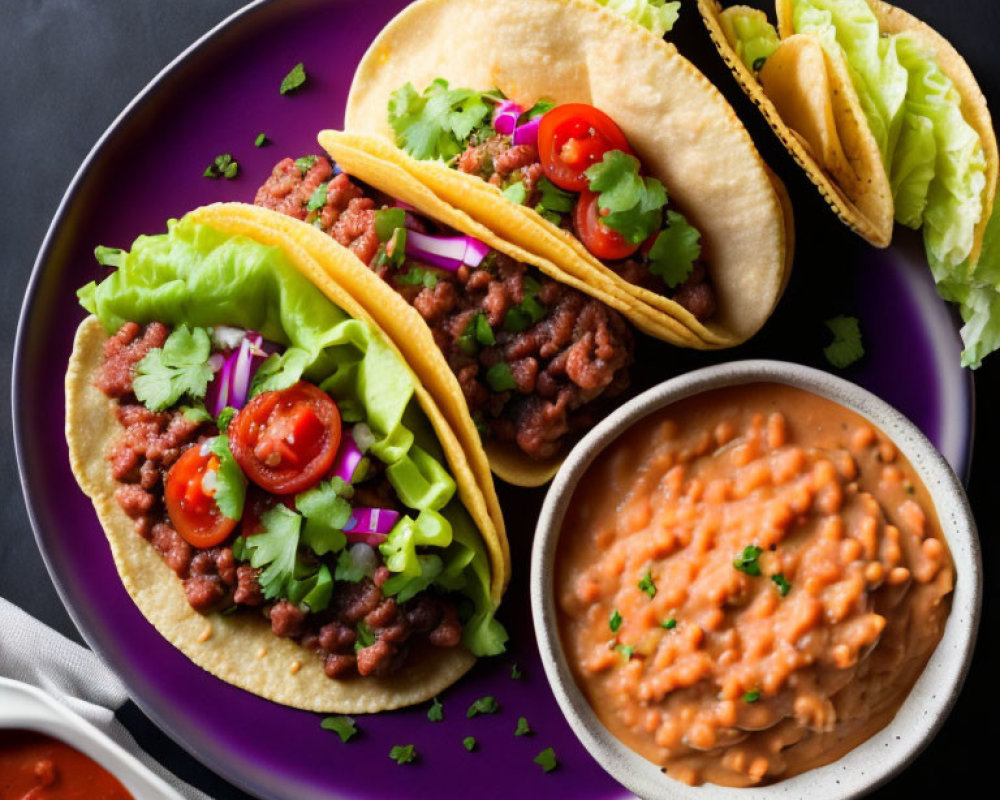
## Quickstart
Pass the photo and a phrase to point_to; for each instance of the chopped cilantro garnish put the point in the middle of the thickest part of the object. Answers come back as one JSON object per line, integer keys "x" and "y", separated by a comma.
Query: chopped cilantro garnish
{"x": 540, "y": 108}
{"x": 435, "y": 123}
{"x": 554, "y": 198}
{"x": 196, "y": 413}
{"x": 526, "y": 313}
{"x": 109, "y": 256}
{"x": 326, "y": 512}
{"x": 522, "y": 727}
{"x": 669, "y": 624}
{"x": 846, "y": 347}
{"x": 318, "y": 198}
{"x": 469, "y": 743}
{"x": 387, "y": 221}
{"x": 646, "y": 584}
{"x": 625, "y": 649}
{"x": 516, "y": 193}
{"x": 499, "y": 378}
{"x": 784, "y": 587}
{"x": 675, "y": 250}
{"x": 225, "y": 417}
{"x": 294, "y": 79}
{"x": 477, "y": 332}
{"x": 305, "y": 164}
{"x": 416, "y": 275}
{"x": 366, "y": 638}
{"x": 343, "y": 726}
{"x": 752, "y": 696}
{"x": 403, "y": 754}
{"x": 615, "y": 622}
{"x": 436, "y": 712}
{"x": 261, "y": 140}
{"x": 547, "y": 759}
{"x": 273, "y": 550}
{"x": 178, "y": 369}
{"x": 224, "y": 166}
{"x": 484, "y": 705}
{"x": 629, "y": 203}
{"x": 230, "y": 485}
{"x": 515, "y": 672}
{"x": 395, "y": 249}
{"x": 747, "y": 560}
{"x": 348, "y": 569}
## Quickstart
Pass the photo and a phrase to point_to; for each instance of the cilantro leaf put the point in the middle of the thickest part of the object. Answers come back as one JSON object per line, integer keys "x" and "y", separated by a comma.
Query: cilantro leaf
{"x": 310, "y": 586}
{"x": 746, "y": 561}
{"x": 343, "y": 726}
{"x": 326, "y": 512}
{"x": 318, "y": 198}
{"x": 669, "y": 624}
{"x": 646, "y": 584}
{"x": 273, "y": 550}
{"x": 418, "y": 276}
{"x": 752, "y": 696}
{"x": 225, "y": 417}
{"x": 403, "y": 754}
{"x": 547, "y": 759}
{"x": 522, "y": 727}
{"x": 469, "y": 743}
{"x": 348, "y": 568}
{"x": 516, "y": 193}
{"x": 178, "y": 369}
{"x": 515, "y": 672}
{"x": 230, "y": 485}
{"x": 261, "y": 140}
{"x": 477, "y": 332}
{"x": 625, "y": 649}
{"x": 224, "y": 166}
{"x": 294, "y": 79}
{"x": 781, "y": 582}
{"x": 846, "y": 347}
{"x": 366, "y": 637}
{"x": 554, "y": 198}
{"x": 675, "y": 250}
{"x": 629, "y": 203}
{"x": 615, "y": 622}
{"x": 541, "y": 107}
{"x": 436, "y": 712}
{"x": 196, "y": 413}
{"x": 500, "y": 378}
{"x": 305, "y": 164}
{"x": 436, "y": 123}
{"x": 526, "y": 313}
{"x": 484, "y": 705}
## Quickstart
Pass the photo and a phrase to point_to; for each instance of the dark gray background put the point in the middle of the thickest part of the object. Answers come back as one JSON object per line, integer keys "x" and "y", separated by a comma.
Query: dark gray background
{"x": 69, "y": 66}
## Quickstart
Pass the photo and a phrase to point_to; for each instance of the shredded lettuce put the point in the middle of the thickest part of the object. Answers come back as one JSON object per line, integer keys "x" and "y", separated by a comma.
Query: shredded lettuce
{"x": 750, "y": 34}
{"x": 658, "y": 16}
{"x": 196, "y": 276}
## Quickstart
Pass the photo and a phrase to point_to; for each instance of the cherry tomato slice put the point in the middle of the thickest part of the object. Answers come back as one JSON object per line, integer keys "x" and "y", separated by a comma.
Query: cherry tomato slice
{"x": 598, "y": 238}
{"x": 192, "y": 509}
{"x": 572, "y": 138}
{"x": 286, "y": 441}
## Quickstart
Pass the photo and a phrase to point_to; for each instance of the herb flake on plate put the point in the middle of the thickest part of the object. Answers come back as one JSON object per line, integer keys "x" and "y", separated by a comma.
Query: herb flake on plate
{"x": 295, "y": 79}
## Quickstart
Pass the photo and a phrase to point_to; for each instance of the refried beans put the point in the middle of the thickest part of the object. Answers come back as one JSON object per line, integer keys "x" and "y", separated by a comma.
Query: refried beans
{"x": 749, "y": 582}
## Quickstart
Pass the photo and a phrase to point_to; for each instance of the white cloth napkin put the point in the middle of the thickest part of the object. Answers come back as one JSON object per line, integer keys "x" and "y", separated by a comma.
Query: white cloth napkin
{"x": 33, "y": 653}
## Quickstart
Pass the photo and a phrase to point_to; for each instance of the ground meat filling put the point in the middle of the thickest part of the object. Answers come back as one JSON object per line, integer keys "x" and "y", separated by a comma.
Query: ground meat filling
{"x": 214, "y": 579}
{"x": 499, "y": 161}
{"x": 563, "y": 366}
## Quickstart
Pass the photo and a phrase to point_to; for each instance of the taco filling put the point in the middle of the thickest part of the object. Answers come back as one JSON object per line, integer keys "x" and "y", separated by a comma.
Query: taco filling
{"x": 536, "y": 360}
{"x": 286, "y": 472}
{"x": 571, "y": 164}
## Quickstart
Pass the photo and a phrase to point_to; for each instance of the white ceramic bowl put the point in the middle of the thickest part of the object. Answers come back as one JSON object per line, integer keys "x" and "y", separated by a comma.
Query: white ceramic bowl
{"x": 29, "y": 708}
{"x": 887, "y": 752}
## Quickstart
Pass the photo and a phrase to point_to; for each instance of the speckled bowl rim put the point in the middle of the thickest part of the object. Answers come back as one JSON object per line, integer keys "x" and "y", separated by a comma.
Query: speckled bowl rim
{"x": 886, "y": 753}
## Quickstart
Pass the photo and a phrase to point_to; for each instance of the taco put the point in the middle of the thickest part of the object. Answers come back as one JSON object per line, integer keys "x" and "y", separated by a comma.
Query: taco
{"x": 519, "y": 355}
{"x": 588, "y": 140}
{"x": 888, "y": 121}
{"x": 284, "y": 500}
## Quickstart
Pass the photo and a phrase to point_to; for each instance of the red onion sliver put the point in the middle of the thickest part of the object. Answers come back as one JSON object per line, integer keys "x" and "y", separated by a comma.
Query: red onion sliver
{"x": 348, "y": 457}
{"x": 505, "y": 117}
{"x": 446, "y": 252}
{"x": 527, "y": 133}
{"x": 370, "y": 525}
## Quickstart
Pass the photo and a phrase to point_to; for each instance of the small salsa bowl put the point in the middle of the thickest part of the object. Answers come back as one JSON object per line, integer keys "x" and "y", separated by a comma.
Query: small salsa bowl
{"x": 925, "y": 709}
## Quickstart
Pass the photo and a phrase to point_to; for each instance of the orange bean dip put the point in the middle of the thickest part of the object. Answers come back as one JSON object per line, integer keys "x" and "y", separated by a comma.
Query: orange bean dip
{"x": 749, "y": 583}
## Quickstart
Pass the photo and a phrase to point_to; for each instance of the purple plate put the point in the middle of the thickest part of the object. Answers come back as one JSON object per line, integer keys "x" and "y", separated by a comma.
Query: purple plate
{"x": 148, "y": 167}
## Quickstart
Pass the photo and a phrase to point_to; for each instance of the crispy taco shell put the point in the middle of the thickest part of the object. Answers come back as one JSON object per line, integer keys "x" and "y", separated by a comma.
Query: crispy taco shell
{"x": 861, "y": 193}
{"x": 241, "y": 649}
{"x": 680, "y": 126}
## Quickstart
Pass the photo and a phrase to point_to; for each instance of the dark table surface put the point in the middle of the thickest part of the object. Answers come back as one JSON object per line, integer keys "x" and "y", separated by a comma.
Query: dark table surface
{"x": 69, "y": 66}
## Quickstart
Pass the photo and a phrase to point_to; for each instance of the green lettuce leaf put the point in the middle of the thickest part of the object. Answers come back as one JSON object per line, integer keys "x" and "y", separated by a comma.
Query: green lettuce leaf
{"x": 750, "y": 34}
{"x": 657, "y": 16}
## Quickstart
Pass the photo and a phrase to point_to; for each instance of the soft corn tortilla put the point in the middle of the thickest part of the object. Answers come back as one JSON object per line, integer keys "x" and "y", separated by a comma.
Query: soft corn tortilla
{"x": 860, "y": 203}
{"x": 679, "y": 125}
{"x": 241, "y": 649}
